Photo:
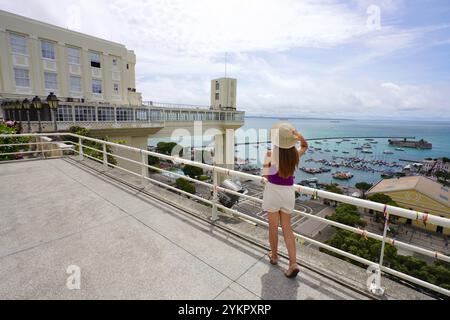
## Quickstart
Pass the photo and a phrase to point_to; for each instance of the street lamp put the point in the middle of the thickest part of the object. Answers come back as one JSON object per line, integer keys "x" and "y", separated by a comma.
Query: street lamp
{"x": 26, "y": 104}
{"x": 53, "y": 103}
{"x": 5, "y": 109}
{"x": 18, "y": 106}
{"x": 37, "y": 104}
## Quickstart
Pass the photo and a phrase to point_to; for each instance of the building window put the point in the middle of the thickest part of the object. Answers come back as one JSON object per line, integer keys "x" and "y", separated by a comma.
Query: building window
{"x": 22, "y": 78}
{"x": 48, "y": 50}
{"x": 141, "y": 115}
{"x": 116, "y": 88}
{"x": 95, "y": 60}
{"x": 443, "y": 197}
{"x": 96, "y": 86}
{"x": 51, "y": 81}
{"x": 64, "y": 113}
{"x": 18, "y": 44}
{"x": 114, "y": 62}
{"x": 73, "y": 55}
{"x": 124, "y": 114}
{"x": 217, "y": 86}
{"x": 105, "y": 114}
{"x": 217, "y": 96}
{"x": 84, "y": 113}
{"x": 75, "y": 84}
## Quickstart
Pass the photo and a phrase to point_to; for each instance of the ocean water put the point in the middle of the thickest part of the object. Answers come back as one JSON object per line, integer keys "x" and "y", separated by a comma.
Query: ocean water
{"x": 257, "y": 129}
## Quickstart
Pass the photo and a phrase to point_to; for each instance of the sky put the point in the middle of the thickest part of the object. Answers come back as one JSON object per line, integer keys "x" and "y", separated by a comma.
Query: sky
{"x": 371, "y": 59}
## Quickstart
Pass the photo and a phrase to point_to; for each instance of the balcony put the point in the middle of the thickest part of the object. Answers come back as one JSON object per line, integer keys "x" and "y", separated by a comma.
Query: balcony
{"x": 133, "y": 236}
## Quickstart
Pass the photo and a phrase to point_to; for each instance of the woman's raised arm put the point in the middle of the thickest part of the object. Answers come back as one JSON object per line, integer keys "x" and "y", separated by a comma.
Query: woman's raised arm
{"x": 303, "y": 143}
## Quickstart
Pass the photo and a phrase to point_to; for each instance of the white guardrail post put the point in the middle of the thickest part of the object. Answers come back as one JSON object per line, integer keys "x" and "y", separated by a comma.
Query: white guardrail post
{"x": 80, "y": 147}
{"x": 377, "y": 288}
{"x": 144, "y": 168}
{"x": 105, "y": 157}
{"x": 214, "y": 215}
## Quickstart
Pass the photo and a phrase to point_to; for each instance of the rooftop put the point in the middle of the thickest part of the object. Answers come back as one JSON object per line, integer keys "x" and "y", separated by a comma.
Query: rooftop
{"x": 421, "y": 184}
{"x": 130, "y": 245}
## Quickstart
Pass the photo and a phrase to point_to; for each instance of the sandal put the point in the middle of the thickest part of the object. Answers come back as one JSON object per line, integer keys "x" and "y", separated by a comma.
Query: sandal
{"x": 272, "y": 260}
{"x": 292, "y": 271}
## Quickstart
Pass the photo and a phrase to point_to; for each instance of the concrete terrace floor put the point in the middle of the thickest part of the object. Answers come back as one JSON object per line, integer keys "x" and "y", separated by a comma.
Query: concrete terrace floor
{"x": 54, "y": 214}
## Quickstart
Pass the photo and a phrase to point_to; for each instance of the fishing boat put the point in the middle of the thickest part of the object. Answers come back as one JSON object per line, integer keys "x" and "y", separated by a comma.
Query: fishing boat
{"x": 342, "y": 175}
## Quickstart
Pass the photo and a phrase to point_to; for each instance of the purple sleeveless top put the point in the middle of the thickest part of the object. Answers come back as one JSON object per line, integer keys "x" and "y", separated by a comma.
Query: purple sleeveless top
{"x": 274, "y": 178}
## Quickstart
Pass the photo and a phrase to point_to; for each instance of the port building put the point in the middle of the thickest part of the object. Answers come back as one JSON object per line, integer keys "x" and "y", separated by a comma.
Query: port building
{"x": 420, "y": 194}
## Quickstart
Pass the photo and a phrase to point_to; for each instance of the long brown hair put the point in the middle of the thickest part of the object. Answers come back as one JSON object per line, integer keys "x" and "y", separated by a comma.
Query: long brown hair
{"x": 288, "y": 160}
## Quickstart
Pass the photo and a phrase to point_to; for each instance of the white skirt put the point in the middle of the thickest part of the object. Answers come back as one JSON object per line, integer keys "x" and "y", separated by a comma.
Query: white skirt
{"x": 278, "y": 198}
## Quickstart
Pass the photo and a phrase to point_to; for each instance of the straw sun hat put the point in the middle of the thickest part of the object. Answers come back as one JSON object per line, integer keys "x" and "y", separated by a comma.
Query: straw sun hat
{"x": 282, "y": 136}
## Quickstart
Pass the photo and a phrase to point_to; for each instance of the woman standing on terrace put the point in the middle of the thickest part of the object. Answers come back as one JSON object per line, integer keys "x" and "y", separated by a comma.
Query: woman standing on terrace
{"x": 279, "y": 194}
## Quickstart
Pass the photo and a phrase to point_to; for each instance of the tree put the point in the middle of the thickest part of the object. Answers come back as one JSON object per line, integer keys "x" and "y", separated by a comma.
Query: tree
{"x": 363, "y": 186}
{"x": 168, "y": 147}
{"x": 185, "y": 185}
{"x": 347, "y": 214}
{"x": 192, "y": 171}
{"x": 384, "y": 199}
{"x": 437, "y": 273}
{"x": 333, "y": 188}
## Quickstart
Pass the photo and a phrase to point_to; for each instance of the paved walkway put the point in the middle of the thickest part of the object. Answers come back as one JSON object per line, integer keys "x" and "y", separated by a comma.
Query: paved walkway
{"x": 127, "y": 246}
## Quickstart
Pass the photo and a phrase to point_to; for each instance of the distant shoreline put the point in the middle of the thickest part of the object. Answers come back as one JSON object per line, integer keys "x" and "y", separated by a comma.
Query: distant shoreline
{"x": 299, "y": 118}
{"x": 439, "y": 121}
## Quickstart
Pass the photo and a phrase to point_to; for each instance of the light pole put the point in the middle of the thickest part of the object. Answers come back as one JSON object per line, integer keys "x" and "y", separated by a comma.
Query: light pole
{"x": 53, "y": 102}
{"x": 18, "y": 106}
{"x": 37, "y": 104}
{"x": 5, "y": 110}
{"x": 26, "y": 104}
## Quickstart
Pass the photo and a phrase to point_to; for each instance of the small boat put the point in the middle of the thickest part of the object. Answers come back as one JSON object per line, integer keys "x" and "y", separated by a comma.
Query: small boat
{"x": 346, "y": 152}
{"x": 342, "y": 175}
{"x": 399, "y": 149}
{"x": 388, "y": 152}
{"x": 327, "y": 150}
{"x": 358, "y": 148}
{"x": 366, "y": 151}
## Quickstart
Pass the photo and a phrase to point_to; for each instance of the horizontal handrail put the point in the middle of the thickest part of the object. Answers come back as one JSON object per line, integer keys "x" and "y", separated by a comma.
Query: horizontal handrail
{"x": 386, "y": 209}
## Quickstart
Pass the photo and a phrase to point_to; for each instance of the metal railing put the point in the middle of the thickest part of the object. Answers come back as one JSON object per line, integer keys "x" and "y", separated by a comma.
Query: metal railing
{"x": 387, "y": 210}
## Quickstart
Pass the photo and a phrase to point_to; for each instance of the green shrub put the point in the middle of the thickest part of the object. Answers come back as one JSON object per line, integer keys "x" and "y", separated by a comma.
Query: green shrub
{"x": 185, "y": 185}
{"x": 192, "y": 171}
{"x": 4, "y": 129}
{"x": 91, "y": 144}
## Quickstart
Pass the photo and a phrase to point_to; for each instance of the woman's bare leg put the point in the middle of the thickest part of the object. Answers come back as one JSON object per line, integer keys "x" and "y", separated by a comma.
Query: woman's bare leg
{"x": 274, "y": 222}
{"x": 289, "y": 238}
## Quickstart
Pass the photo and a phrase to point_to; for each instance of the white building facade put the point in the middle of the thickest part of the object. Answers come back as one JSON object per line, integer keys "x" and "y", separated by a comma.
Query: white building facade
{"x": 37, "y": 58}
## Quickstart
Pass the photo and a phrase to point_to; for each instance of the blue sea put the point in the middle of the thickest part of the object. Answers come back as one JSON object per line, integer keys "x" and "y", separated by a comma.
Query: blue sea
{"x": 256, "y": 129}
